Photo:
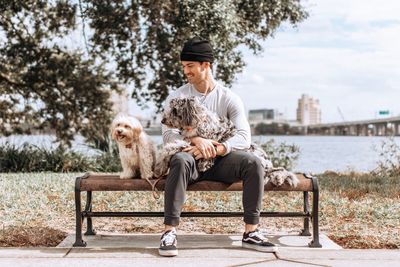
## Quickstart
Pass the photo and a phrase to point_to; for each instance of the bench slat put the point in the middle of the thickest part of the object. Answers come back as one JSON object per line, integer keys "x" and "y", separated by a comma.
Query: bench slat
{"x": 110, "y": 182}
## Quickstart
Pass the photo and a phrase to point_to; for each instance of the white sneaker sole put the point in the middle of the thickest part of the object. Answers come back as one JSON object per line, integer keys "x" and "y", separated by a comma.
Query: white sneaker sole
{"x": 260, "y": 248}
{"x": 168, "y": 253}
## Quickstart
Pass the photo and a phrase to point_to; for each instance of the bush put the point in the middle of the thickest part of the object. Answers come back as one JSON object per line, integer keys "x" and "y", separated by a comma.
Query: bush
{"x": 108, "y": 162}
{"x": 282, "y": 154}
{"x": 389, "y": 162}
{"x": 30, "y": 158}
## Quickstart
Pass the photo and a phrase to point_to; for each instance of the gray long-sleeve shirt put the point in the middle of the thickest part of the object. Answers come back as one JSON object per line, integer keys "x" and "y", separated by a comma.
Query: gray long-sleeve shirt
{"x": 222, "y": 101}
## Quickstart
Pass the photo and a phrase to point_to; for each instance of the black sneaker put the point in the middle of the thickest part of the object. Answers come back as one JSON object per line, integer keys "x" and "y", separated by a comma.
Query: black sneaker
{"x": 255, "y": 240}
{"x": 168, "y": 244}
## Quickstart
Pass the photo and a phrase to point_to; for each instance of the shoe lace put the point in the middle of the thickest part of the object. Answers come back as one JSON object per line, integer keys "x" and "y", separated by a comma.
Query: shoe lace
{"x": 168, "y": 238}
{"x": 258, "y": 235}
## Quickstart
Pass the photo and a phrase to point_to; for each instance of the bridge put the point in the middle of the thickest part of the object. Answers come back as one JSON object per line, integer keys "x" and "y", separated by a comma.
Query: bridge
{"x": 376, "y": 127}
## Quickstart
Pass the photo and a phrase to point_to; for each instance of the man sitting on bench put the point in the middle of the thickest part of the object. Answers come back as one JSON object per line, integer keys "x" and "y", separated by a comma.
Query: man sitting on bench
{"x": 231, "y": 164}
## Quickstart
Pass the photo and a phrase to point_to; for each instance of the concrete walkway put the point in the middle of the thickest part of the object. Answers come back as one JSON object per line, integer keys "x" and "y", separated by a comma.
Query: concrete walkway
{"x": 194, "y": 250}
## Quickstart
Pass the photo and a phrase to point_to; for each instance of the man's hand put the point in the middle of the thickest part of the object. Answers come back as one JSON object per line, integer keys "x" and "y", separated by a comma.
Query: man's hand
{"x": 218, "y": 149}
{"x": 194, "y": 151}
{"x": 205, "y": 147}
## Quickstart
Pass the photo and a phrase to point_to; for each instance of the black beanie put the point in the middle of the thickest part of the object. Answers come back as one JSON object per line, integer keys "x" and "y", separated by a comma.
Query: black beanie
{"x": 197, "y": 49}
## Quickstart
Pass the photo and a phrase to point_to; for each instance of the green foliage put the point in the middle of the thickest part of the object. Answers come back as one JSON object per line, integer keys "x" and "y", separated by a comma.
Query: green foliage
{"x": 107, "y": 162}
{"x": 144, "y": 38}
{"x": 282, "y": 154}
{"x": 44, "y": 85}
{"x": 47, "y": 81}
{"x": 389, "y": 158}
{"x": 30, "y": 158}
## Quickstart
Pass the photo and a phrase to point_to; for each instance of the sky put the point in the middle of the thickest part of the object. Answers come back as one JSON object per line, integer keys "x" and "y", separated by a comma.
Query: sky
{"x": 346, "y": 54}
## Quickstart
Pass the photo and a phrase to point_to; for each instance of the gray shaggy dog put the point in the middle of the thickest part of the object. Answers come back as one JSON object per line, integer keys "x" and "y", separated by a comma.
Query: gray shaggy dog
{"x": 193, "y": 119}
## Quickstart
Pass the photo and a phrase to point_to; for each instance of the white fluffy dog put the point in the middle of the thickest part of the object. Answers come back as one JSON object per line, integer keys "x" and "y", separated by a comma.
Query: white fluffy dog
{"x": 136, "y": 150}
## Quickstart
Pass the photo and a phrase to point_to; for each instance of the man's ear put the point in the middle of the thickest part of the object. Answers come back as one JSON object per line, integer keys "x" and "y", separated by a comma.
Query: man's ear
{"x": 205, "y": 65}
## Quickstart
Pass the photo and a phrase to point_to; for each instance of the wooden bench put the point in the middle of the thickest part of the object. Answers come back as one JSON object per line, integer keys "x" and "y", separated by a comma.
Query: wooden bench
{"x": 101, "y": 182}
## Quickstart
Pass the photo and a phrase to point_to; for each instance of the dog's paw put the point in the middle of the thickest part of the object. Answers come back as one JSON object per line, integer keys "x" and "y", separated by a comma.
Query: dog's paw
{"x": 292, "y": 179}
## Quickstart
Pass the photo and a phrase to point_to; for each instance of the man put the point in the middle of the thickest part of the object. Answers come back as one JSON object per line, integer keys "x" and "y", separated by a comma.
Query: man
{"x": 231, "y": 164}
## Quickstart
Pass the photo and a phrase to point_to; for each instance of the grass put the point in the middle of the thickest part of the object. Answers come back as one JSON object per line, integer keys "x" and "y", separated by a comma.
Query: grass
{"x": 356, "y": 210}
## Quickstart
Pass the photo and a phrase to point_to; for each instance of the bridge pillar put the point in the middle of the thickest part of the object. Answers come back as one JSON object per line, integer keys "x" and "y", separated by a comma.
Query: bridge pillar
{"x": 339, "y": 130}
{"x": 386, "y": 130}
{"x": 389, "y": 129}
{"x": 381, "y": 129}
{"x": 371, "y": 130}
{"x": 358, "y": 130}
{"x": 376, "y": 129}
{"x": 397, "y": 129}
{"x": 363, "y": 130}
{"x": 353, "y": 130}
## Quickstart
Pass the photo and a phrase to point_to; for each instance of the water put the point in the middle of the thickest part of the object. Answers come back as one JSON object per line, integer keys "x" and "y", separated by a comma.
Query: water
{"x": 317, "y": 153}
{"x": 335, "y": 153}
{"x": 49, "y": 142}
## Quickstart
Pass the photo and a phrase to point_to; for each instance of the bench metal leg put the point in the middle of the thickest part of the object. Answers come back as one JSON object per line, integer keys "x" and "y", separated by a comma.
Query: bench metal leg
{"x": 315, "y": 242}
{"x": 306, "y": 223}
{"x": 79, "y": 217}
{"x": 88, "y": 208}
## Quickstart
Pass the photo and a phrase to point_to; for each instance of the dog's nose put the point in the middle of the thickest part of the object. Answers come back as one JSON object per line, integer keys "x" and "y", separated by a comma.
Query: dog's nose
{"x": 119, "y": 131}
{"x": 163, "y": 120}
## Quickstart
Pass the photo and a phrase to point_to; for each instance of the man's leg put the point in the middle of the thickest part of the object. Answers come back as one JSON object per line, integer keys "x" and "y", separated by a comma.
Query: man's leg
{"x": 182, "y": 172}
{"x": 240, "y": 165}
{"x": 236, "y": 166}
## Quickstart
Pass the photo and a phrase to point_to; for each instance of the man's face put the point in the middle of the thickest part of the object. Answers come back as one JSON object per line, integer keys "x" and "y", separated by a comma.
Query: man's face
{"x": 195, "y": 71}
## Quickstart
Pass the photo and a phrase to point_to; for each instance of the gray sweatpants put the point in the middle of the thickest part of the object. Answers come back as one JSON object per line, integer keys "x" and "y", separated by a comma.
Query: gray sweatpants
{"x": 237, "y": 165}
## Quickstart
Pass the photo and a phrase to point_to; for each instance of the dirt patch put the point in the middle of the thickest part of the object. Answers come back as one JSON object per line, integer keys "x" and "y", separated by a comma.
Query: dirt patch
{"x": 362, "y": 242}
{"x": 31, "y": 237}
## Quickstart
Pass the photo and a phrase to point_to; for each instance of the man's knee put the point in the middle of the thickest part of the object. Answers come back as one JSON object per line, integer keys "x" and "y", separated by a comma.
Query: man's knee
{"x": 246, "y": 158}
{"x": 182, "y": 170}
{"x": 254, "y": 163}
{"x": 250, "y": 162}
{"x": 181, "y": 160}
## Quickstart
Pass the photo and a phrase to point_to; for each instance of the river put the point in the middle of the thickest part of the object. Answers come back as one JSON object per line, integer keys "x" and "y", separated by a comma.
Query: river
{"x": 317, "y": 153}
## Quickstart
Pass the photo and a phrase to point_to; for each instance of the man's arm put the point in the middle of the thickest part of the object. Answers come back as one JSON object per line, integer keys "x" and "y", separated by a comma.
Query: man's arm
{"x": 241, "y": 140}
{"x": 236, "y": 113}
{"x": 170, "y": 135}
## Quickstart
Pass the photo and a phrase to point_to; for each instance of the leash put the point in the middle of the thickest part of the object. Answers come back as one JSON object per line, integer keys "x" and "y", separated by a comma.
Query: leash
{"x": 155, "y": 192}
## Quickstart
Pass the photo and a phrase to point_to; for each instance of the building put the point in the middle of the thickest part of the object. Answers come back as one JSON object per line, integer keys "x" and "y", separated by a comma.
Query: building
{"x": 265, "y": 116}
{"x": 261, "y": 114}
{"x": 308, "y": 110}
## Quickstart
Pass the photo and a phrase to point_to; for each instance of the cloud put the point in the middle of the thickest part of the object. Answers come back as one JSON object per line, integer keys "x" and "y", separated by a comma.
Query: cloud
{"x": 345, "y": 54}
